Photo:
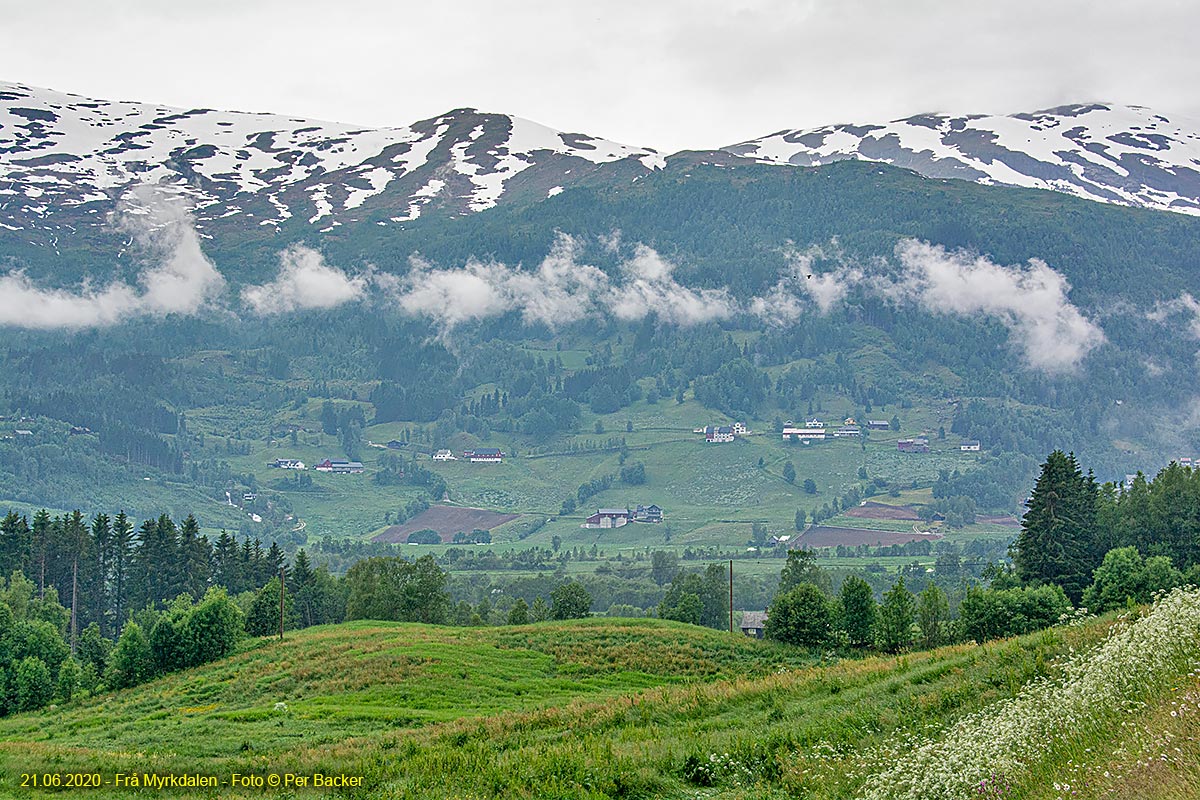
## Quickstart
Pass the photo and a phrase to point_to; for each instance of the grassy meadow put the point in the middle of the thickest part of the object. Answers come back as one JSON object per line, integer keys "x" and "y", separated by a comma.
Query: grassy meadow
{"x": 712, "y": 493}
{"x": 646, "y": 708}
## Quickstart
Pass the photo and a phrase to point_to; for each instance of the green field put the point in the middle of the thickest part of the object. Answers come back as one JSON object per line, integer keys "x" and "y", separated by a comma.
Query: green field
{"x": 646, "y": 708}
{"x": 712, "y": 493}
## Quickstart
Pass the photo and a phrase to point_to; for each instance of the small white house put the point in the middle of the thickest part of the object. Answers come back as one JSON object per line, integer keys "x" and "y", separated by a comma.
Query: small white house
{"x": 444, "y": 455}
{"x": 969, "y": 446}
{"x": 287, "y": 463}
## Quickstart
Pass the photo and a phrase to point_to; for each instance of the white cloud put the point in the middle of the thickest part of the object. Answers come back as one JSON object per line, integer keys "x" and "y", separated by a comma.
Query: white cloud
{"x": 304, "y": 281}
{"x": 182, "y": 278}
{"x": 24, "y": 305}
{"x": 560, "y": 291}
{"x": 452, "y": 296}
{"x": 1052, "y": 334}
{"x": 1031, "y": 302}
{"x": 650, "y": 288}
{"x": 179, "y": 279}
{"x": 804, "y": 284}
{"x": 1185, "y": 305}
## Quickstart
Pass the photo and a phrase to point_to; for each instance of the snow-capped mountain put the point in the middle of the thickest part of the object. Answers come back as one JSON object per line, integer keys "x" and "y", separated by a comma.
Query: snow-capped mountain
{"x": 1127, "y": 155}
{"x": 66, "y": 161}
{"x": 65, "y": 153}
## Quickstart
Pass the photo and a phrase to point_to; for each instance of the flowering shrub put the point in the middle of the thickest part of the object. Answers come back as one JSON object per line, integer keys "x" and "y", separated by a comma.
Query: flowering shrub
{"x": 1137, "y": 660}
{"x": 744, "y": 769}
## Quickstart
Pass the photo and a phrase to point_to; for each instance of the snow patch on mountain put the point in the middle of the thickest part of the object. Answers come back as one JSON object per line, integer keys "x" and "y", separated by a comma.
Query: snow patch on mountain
{"x": 68, "y": 162}
{"x": 1114, "y": 154}
{"x": 62, "y": 153}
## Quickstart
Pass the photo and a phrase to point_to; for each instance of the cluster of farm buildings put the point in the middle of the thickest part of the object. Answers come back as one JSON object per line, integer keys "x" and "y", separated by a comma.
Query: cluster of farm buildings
{"x": 920, "y": 444}
{"x": 337, "y": 466}
{"x": 720, "y": 434}
{"x": 619, "y": 517}
{"x": 814, "y": 430}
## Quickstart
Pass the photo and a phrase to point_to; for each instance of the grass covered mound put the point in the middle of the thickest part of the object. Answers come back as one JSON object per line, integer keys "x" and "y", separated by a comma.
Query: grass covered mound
{"x": 625, "y": 708}
{"x": 363, "y": 678}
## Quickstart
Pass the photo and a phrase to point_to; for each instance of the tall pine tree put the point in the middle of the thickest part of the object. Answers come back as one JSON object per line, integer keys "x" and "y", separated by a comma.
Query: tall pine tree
{"x": 1057, "y": 543}
{"x": 98, "y": 595}
{"x": 195, "y": 559}
{"x": 122, "y": 555}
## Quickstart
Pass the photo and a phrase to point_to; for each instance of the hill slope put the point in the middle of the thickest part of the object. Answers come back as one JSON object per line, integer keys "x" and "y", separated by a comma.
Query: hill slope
{"x": 835, "y": 731}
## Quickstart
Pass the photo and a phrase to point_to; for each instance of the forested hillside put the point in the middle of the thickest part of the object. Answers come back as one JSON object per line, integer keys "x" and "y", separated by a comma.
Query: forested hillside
{"x": 741, "y": 292}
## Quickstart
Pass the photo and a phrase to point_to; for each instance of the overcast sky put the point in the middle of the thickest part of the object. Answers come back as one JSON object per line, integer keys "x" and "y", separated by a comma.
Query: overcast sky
{"x": 669, "y": 74}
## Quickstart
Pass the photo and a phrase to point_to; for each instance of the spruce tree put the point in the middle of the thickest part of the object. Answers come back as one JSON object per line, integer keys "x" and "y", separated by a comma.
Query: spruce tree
{"x": 195, "y": 555}
{"x": 226, "y": 566}
{"x": 98, "y": 597}
{"x": 14, "y": 543}
{"x": 1057, "y": 540}
{"x": 301, "y": 571}
{"x": 40, "y": 546}
{"x": 122, "y": 555}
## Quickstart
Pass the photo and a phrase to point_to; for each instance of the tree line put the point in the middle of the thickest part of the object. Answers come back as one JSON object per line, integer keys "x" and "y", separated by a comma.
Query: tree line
{"x": 1077, "y": 531}
{"x": 1082, "y": 544}
{"x": 104, "y": 567}
{"x": 109, "y": 606}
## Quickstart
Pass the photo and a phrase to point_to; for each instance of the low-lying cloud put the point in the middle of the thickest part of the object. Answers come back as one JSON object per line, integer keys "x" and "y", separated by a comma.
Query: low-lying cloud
{"x": 1053, "y": 335}
{"x": 802, "y": 284}
{"x": 304, "y": 281}
{"x": 179, "y": 279}
{"x": 24, "y": 305}
{"x": 1184, "y": 305}
{"x": 561, "y": 290}
{"x": 648, "y": 287}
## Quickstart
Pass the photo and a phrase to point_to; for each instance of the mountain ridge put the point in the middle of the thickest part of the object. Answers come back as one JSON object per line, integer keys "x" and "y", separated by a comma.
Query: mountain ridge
{"x": 67, "y": 161}
{"x": 1096, "y": 151}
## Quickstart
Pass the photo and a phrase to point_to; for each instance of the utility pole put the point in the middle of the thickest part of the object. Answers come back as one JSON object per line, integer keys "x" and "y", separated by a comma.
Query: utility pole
{"x": 731, "y": 595}
{"x": 74, "y": 598}
{"x": 282, "y": 574}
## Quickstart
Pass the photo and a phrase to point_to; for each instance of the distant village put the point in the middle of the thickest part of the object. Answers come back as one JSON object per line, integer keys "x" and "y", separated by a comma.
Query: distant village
{"x": 814, "y": 430}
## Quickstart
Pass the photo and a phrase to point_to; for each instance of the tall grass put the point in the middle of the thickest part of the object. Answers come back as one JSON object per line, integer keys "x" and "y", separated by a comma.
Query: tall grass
{"x": 647, "y": 708}
{"x": 1027, "y": 739}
